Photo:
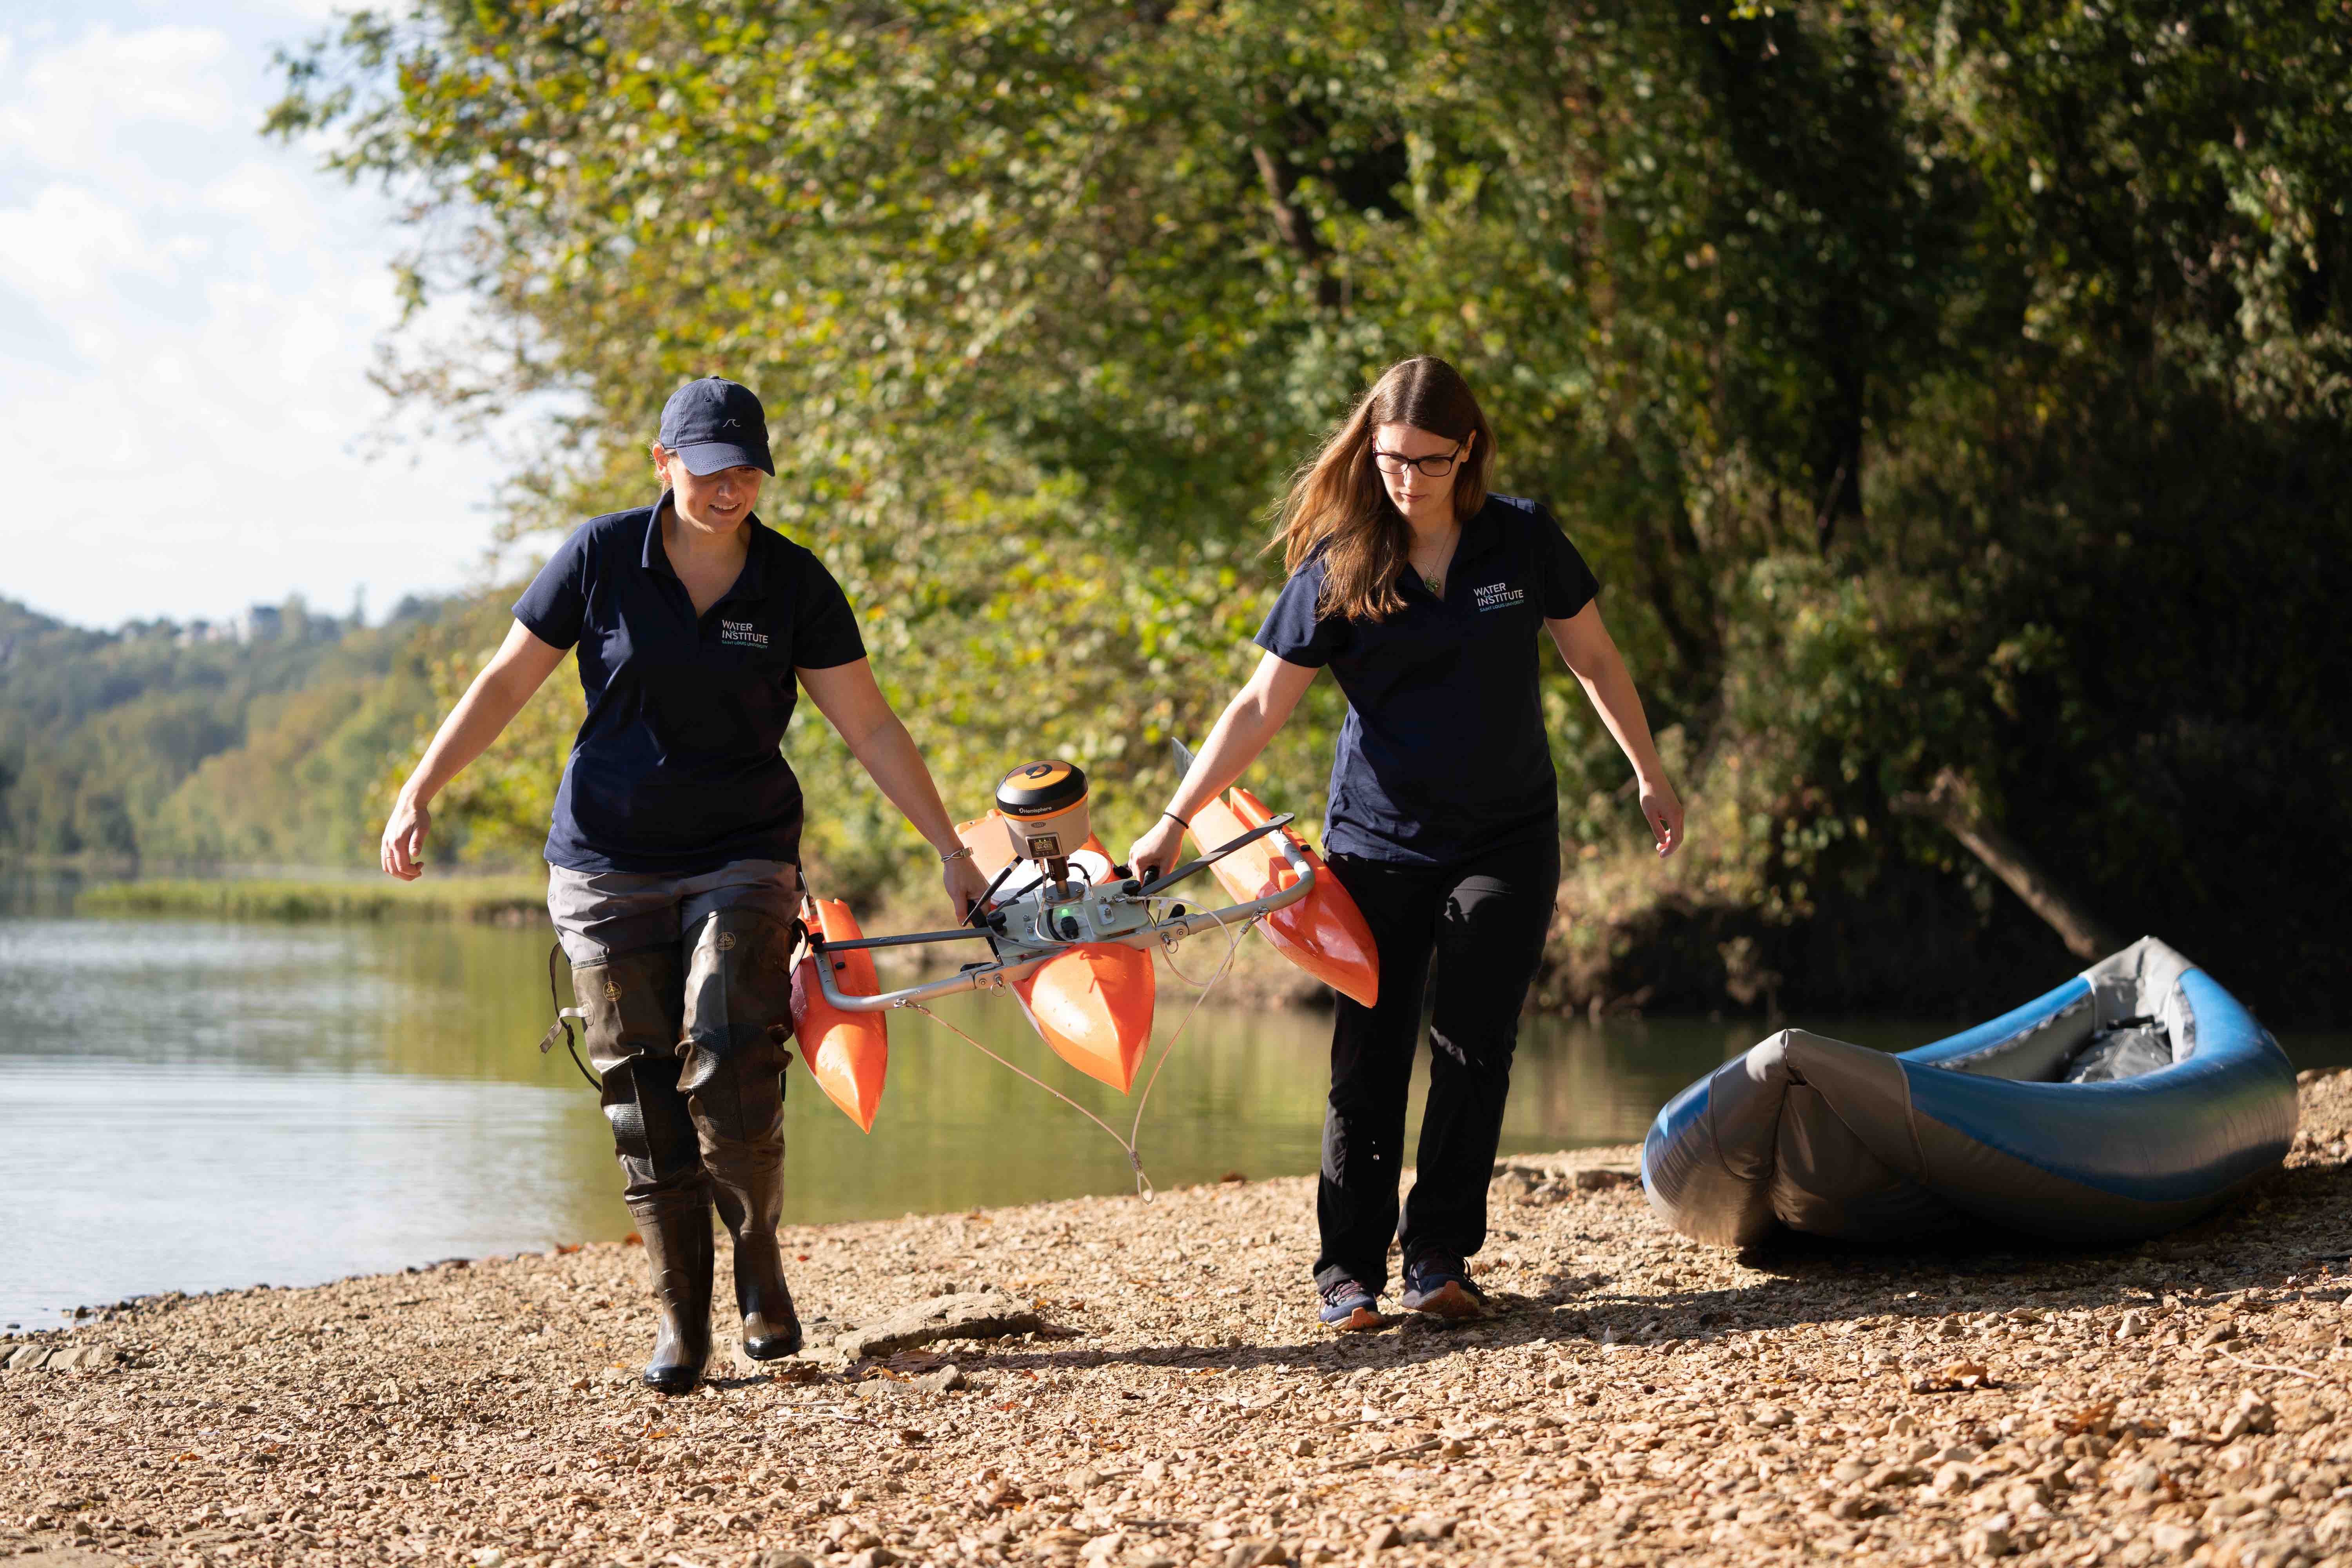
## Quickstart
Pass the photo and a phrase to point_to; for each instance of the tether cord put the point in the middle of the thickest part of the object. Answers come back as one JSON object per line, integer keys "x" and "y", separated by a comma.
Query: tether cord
{"x": 593, "y": 1082}
{"x": 1041, "y": 1083}
{"x": 1127, "y": 1144}
{"x": 565, "y": 1023}
{"x": 1200, "y": 994}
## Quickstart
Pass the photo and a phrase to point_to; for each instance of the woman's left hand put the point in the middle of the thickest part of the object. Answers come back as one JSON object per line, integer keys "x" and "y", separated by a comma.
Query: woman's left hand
{"x": 965, "y": 885}
{"x": 1664, "y": 813}
{"x": 1159, "y": 849}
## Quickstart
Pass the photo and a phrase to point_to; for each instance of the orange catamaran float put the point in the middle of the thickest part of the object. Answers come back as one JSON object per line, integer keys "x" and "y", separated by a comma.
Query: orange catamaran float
{"x": 1070, "y": 934}
{"x": 1324, "y": 933}
{"x": 848, "y": 1052}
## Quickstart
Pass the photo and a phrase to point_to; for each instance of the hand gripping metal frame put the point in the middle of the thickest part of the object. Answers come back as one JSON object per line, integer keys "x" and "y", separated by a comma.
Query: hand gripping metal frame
{"x": 1037, "y": 925}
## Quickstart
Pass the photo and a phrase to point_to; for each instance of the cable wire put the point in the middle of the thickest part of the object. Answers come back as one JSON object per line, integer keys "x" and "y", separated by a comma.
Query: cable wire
{"x": 1041, "y": 1083}
{"x": 1128, "y": 1145}
{"x": 1200, "y": 994}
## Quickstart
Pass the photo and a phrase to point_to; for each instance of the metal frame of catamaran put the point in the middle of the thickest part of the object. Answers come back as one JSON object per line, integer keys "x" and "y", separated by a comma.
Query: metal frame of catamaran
{"x": 1046, "y": 919}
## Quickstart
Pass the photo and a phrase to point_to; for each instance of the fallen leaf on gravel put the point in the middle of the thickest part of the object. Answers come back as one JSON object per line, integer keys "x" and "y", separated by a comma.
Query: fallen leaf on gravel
{"x": 2091, "y": 1419}
{"x": 1953, "y": 1377}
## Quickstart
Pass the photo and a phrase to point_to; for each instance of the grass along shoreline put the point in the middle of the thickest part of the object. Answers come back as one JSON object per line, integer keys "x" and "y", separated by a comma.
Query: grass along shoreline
{"x": 517, "y": 899}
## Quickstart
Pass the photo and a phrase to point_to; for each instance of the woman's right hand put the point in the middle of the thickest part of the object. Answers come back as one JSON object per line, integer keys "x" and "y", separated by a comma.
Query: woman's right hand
{"x": 1240, "y": 734}
{"x": 404, "y": 837}
{"x": 490, "y": 705}
{"x": 966, "y": 885}
{"x": 1158, "y": 851}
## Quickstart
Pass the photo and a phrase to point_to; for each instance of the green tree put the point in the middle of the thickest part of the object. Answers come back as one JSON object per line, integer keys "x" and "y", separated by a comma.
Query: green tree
{"x": 1953, "y": 389}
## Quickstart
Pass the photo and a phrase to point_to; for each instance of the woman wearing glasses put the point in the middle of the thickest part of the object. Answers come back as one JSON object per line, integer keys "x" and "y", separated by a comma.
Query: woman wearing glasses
{"x": 1427, "y": 597}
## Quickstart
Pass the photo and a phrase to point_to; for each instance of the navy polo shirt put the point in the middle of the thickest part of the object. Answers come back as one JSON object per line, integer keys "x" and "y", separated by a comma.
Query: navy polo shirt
{"x": 1444, "y": 754}
{"x": 679, "y": 769}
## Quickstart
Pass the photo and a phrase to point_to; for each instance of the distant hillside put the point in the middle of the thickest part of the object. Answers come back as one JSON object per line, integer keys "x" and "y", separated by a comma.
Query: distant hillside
{"x": 267, "y": 739}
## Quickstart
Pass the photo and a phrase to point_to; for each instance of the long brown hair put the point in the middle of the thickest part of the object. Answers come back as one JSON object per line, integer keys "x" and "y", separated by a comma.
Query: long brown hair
{"x": 1338, "y": 506}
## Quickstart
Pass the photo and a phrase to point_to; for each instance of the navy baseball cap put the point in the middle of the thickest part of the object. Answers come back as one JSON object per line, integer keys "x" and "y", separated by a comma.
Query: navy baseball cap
{"x": 713, "y": 424}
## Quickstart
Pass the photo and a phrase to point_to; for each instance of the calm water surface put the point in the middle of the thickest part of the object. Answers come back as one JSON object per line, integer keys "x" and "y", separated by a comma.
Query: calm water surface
{"x": 191, "y": 1105}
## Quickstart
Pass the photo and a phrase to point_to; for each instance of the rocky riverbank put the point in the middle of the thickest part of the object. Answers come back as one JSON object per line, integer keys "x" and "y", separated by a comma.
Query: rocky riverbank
{"x": 1157, "y": 1391}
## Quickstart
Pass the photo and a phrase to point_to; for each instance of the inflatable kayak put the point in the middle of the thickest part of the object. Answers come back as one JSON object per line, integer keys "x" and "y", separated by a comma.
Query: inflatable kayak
{"x": 2130, "y": 1100}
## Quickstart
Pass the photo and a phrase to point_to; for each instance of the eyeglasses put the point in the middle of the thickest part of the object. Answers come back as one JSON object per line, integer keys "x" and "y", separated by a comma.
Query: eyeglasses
{"x": 1435, "y": 466}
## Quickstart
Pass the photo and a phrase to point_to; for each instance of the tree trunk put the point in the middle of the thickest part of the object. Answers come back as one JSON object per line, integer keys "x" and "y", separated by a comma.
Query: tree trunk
{"x": 1952, "y": 804}
{"x": 1296, "y": 229}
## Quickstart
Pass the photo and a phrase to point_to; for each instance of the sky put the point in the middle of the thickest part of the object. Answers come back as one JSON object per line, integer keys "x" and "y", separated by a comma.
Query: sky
{"x": 187, "y": 315}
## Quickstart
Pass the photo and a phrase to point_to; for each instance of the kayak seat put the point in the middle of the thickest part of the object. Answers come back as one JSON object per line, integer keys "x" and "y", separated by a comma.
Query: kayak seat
{"x": 2131, "y": 1049}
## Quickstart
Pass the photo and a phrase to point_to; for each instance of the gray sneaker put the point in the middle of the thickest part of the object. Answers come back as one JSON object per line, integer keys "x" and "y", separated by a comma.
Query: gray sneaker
{"x": 1349, "y": 1308}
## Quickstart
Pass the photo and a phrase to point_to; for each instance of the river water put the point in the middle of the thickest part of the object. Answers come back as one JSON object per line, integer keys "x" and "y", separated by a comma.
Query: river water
{"x": 193, "y": 1105}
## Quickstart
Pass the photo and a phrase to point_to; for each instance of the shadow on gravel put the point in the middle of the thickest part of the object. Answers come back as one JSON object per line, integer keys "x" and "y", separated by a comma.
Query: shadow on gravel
{"x": 2286, "y": 1223}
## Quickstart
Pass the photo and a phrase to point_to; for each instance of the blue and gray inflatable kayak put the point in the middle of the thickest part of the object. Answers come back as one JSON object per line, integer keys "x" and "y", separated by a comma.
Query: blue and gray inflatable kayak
{"x": 2132, "y": 1100}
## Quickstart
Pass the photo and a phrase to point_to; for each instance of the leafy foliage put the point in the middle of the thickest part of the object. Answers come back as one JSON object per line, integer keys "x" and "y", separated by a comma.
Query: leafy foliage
{"x": 1933, "y": 386}
{"x": 183, "y": 742}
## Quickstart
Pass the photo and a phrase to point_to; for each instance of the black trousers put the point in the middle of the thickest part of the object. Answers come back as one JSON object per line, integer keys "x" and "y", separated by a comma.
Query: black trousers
{"x": 1483, "y": 921}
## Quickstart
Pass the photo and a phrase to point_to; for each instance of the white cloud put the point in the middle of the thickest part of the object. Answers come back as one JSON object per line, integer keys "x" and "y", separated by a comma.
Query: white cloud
{"x": 115, "y": 100}
{"x": 71, "y": 244}
{"x": 201, "y": 308}
{"x": 317, "y": 10}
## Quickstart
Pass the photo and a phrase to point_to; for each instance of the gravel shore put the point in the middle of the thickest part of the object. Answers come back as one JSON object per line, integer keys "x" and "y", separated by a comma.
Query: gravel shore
{"x": 1635, "y": 1399}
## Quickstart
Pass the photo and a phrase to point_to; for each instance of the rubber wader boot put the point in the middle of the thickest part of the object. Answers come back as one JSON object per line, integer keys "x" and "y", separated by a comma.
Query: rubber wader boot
{"x": 679, "y": 1254}
{"x": 738, "y": 1014}
{"x": 632, "y": 1004}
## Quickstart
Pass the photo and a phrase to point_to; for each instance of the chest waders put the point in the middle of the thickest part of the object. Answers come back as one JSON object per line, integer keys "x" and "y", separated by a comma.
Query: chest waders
{"x": 688, "y": 1044}
{"x": 738, "y": 1014}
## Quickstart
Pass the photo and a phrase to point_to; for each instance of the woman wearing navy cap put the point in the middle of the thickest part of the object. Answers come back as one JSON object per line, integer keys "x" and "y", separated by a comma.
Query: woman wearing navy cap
{"x": 1428, "y": 598}
{"x": 672, "y": 854}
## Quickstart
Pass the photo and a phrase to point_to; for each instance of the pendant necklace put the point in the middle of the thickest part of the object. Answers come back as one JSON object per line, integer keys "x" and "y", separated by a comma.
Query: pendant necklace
{"x": 1436, "y": 580}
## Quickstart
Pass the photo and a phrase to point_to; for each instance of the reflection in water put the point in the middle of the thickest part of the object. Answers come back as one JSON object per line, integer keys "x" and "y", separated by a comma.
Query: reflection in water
{"x": 191, "y": 1105}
